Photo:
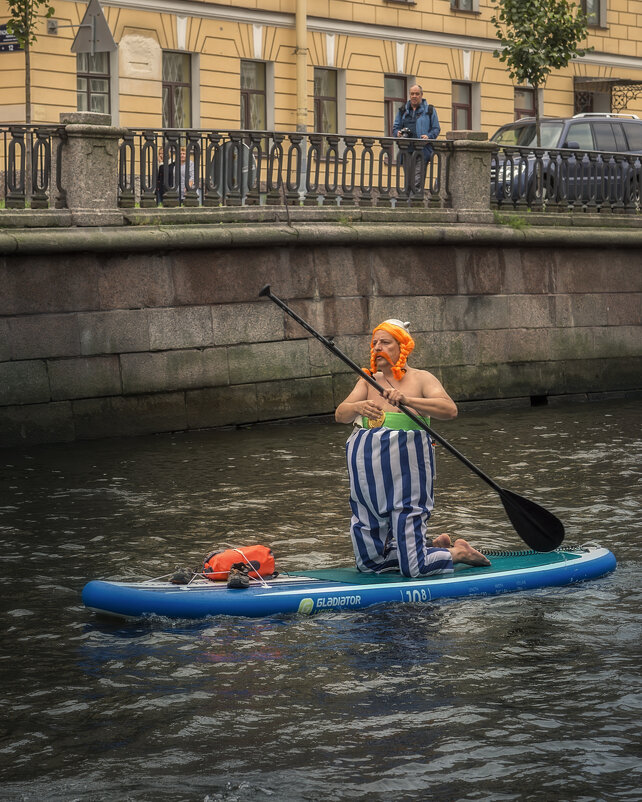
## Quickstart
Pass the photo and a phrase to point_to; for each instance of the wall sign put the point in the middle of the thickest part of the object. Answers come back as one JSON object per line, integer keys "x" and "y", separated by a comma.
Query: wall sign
{"x": 8, "y": 42}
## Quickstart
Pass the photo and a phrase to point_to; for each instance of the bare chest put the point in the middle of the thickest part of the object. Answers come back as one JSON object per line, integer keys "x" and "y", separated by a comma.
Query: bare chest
{"x": 409, "y": 386}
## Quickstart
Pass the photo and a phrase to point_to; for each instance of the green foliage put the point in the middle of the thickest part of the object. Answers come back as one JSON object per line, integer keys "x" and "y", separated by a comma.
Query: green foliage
{"x": 538, "y": 36}
{"x": 24, "y": 18}
{"x": 514, "y": 221}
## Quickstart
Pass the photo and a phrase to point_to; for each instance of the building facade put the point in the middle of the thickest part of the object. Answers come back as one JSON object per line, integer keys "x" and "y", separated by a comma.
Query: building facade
{"x": 318, "y": 65}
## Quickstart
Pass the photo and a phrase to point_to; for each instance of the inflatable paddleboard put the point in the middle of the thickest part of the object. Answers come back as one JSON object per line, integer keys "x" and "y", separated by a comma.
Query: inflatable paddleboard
{"x": 310, "y": 592}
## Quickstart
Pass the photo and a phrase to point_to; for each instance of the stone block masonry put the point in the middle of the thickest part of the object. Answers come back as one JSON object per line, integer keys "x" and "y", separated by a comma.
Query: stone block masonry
{"x": 105, "y": 333}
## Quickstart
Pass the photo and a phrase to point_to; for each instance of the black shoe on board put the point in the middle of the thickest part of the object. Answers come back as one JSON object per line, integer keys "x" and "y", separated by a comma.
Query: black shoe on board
{"x": 238, "y": 577}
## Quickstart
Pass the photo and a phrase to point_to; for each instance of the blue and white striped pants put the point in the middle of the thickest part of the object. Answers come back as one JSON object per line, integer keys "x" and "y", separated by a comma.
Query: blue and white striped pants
{"x": 391, "y": 496}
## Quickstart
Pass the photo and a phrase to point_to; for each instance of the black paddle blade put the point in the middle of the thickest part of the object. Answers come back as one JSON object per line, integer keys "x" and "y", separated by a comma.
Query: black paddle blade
{"x": 538, "y": 528}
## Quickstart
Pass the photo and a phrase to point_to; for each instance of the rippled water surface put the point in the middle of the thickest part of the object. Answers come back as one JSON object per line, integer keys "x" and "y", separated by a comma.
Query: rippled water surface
{"x": 528, "y": 696}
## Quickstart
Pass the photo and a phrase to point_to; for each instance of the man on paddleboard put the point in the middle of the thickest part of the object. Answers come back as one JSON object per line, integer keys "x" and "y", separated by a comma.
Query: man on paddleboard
{"x": 391, "y": 463}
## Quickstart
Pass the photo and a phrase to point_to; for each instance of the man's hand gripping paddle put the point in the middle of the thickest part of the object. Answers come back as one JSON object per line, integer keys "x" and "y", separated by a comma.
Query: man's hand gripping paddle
{"x": 538, "y": 528}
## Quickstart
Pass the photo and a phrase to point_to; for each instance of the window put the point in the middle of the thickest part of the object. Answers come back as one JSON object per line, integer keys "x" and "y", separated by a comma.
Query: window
{"x": 581, "y": 135}
{"x": 604, "y": 137}
{"x": 525, "y": 135}
{"x": 92, "y": 82}
{"x": 524, "y": 103}
{"x": 325, "y": 101}
{"x": 462, "y": 102}
{"x": 595, "y": 11}
{"x": 464, "y": 5}
{"x": 394, "y": 96}
{"x": 177, "y": 95}
{"x": 592, "y": 11}
{"x": 253, "y": 97}
{"x": 586, "y": 100}
{"x": 620, "y": 139}
{"x": 582, "y": 102}
{"x": 633, "y": 133}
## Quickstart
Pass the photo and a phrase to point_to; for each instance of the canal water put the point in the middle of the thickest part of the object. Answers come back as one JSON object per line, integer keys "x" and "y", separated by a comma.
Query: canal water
{"x": 527, "y": 696}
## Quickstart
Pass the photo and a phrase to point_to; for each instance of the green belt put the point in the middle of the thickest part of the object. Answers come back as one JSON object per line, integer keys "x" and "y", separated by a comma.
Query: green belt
{"x": 396, "y": 420}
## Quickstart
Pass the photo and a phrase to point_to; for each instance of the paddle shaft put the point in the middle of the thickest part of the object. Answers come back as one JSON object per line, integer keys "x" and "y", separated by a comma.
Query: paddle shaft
{"x": 266, "y": 292}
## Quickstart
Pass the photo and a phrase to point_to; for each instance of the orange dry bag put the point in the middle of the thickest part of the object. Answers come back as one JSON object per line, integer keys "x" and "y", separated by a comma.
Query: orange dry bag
{"x": 258, "y": 560}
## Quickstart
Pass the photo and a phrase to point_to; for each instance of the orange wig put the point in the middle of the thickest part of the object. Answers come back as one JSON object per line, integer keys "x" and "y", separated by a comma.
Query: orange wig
{"x": 399, "y": 331}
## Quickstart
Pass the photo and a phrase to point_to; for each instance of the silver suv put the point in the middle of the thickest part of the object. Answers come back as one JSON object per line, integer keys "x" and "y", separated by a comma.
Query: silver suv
{"x": 578, "y": 161}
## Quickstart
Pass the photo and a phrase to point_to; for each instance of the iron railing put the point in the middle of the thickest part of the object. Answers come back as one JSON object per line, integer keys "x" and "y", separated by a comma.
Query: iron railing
{"x": 264, "y": 167}
{"x": 169, "y": 168}
{"x": 31, "y": 166}
{"x": 234, "y": 168}
{"x": 562, "y": 179}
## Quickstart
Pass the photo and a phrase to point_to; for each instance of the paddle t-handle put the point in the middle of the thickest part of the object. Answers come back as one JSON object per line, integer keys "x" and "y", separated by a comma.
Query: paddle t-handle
{"x": 537, "y": 526}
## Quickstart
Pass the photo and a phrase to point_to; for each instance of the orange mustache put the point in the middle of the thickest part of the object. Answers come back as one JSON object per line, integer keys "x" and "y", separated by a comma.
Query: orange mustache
{"x": 386, "y": 357}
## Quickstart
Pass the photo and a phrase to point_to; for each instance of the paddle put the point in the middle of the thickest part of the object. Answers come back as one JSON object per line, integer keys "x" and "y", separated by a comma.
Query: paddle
{"x": 538, "y": 528}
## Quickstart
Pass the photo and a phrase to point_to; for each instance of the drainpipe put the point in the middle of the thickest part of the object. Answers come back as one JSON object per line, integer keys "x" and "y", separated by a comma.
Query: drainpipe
{"x": 301, "y": 66}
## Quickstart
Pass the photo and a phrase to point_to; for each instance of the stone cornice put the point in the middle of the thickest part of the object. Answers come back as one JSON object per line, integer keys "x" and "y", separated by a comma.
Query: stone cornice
{"x": 277, "y": 233}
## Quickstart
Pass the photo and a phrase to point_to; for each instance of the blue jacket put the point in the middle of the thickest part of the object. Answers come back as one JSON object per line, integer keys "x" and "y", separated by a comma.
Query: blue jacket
{"x": 426, "y": 121}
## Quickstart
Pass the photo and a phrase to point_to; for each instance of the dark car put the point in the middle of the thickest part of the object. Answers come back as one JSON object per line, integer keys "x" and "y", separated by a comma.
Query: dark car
{"x": 592, "y": 157}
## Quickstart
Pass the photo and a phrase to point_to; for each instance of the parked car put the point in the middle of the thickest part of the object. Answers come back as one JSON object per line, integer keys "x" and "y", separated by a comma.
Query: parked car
{"x": 578, "y": 159}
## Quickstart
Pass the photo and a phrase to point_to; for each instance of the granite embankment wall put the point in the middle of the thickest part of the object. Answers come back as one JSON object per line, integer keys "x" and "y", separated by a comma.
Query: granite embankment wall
{"x": 126, "y": 331}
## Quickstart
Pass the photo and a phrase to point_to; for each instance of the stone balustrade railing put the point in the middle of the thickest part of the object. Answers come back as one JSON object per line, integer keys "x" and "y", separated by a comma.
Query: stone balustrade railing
{"x": 97, "y": 171}
{"x": 99, "y": 174}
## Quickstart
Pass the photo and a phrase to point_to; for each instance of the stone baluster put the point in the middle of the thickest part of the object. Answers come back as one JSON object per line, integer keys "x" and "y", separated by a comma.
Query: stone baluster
{"x": 331, "y": 166}
{"x": 348, "y": 171}
{"x": 313, "y": 170}
{"x": 294, "y": 168}
{"x": 149, "y": 170}
{"x": 275, "y": 171}
{"x": 255, "y": 157}
{"x": 385, "y": 170}
{"x": 366, "y": 171}
{"x": 41, "y": 168}
{"x": 213, "y": 195}
{"x": 16, "y": 169}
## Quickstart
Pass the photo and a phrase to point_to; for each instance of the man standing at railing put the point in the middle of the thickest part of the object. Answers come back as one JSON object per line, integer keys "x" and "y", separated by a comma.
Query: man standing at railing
{"x": 417, "y": 119}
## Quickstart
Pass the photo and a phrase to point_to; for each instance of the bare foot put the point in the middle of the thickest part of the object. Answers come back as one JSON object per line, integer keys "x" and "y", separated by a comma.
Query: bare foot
{"x": 463, "y": 552}
{"x": 442, "y": 542}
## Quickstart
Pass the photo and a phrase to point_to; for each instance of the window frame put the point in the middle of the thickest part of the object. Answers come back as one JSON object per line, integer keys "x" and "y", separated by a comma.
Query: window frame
{"x": 457, "y": 106}
{"x": 170, "y": 84}
{"x": 319, "y": 99}
{"x": 456, "y": 5}
{"x": 522, "y": 111}
{"x": 88, "y": 76}
{"x": 391, "y": 104}
{"x": 247, "y": 94}
{"x": 600, "y": 19}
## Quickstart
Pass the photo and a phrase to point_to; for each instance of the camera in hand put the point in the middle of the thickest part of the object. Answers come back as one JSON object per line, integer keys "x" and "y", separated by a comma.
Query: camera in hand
{"x": 405, "y": 132}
